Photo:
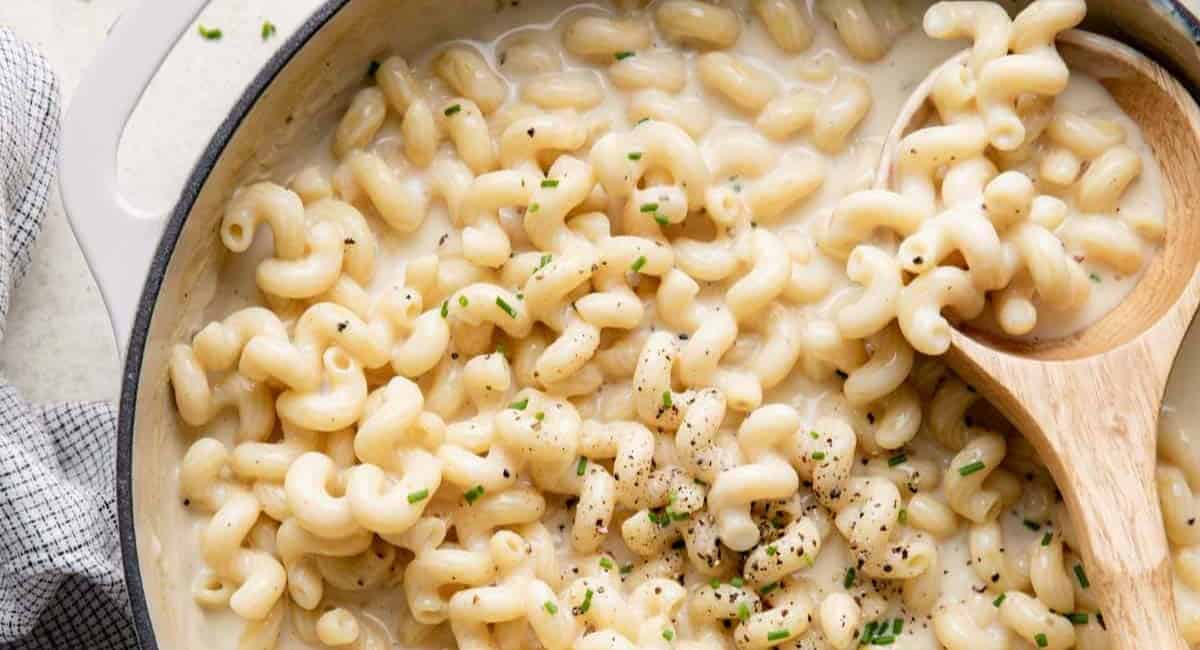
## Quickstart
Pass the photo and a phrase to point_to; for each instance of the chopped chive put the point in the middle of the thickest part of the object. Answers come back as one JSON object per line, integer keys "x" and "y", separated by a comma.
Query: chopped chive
{"x": 743, "y": 612}
{"x": 550, "y": 607}
{"x": 771, "y": 550}
{"x": 520, "y": 405}
{"x": 520, "y": 296}
{"x": 621, "y": 56}
{"x": 634, "y": 155}
{"x": 868, "y": 632}
{"x": 372, "y": 68}
{"x": 533, "y": 207}
{"x": 418, "y": 496}
{"x": 638, "y": 264}
{"x": 661, "y": 219}
{"x": 679, "y": 516}
{"x": 902, "y": 516}
{"x": 544, "y": 261}
{"x": 649, "y": 207}
{"x": 1041, "y": 639}
{"x": 606, "y": 564}
{"x": 714, "y": 583}
{"x": 1078, "y": 618}
{"x": 971, "y": 468}
{"x": 1094, "y": 278}
{"x": 999, "y": 600}
{"x": 738, "y": 582}
{"x": 268, "y": 29}
{"x": 1032, "y": 525}
{"x": 848, "y": 581}
{"x": 539, "y": 416}
{"x": 587, "y": 602}
{"x": 445, "y": 308}
{"x": 777, "y": 635}
{"x": 512, "y": 313}
{"x": 818, "y": 455}
{"x": 898, "y": 459}
{"x": 581, "y": 466}
{"x": 549, "y": 182}
{"x": 883, "y": 640}
{"x": 768, "y": 588}
{"x": 666, "y": 399}
{"x": 1083, "y": 580}
{"x": 500, "y": 349}
{"x": 814, "y": 435}
{"x": 473, "y": 494}
{"x": 463, "y": 302}
{"x": 451, "y": 110}
{"x": 897, "y": 625}
{"x": 1046, "y": 538}
{"x": 627, "y": 567}
{"x": 210, "y": 33}
{"x": 668, "y": 634}
{"x": 777, "y": 523}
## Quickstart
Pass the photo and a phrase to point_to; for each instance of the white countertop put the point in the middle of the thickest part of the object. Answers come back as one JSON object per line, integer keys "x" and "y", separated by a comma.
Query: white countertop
{"x": 58, "y": 344}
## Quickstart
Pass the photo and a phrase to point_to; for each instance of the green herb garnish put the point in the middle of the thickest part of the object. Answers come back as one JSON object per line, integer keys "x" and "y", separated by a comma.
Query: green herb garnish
{"x": 210, "y": 33}
{"x": 512, "y": 313}
{"x": 971, "y": 468}
{"x": 1083, "y": 580}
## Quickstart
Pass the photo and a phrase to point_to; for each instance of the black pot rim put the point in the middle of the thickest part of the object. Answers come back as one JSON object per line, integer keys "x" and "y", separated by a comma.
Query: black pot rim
{"x": 143, "y": 626}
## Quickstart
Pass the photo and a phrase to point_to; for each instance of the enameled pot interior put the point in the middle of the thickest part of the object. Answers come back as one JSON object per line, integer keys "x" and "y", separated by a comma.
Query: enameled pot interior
{"x": 288, "y": 104}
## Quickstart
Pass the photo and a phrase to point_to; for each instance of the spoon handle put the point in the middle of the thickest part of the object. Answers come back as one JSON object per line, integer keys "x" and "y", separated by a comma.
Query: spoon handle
{"x": 1093, "y": 422}
{"x": 1110, "y": 494}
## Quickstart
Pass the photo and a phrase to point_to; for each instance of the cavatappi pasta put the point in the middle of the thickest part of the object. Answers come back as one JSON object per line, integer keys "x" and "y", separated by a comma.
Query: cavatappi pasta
{"x": 597, "y": 336}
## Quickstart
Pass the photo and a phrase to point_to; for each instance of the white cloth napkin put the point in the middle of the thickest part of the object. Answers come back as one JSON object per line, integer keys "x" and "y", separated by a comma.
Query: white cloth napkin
{"x": 61, "y": 584}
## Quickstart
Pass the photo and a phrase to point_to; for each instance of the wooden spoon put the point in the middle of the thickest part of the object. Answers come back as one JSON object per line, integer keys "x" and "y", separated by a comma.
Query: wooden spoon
{"x": 1089, "y": 403}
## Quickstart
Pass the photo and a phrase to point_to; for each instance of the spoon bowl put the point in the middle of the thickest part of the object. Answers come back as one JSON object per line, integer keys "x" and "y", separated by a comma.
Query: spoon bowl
{"x": 1089, "y": 402}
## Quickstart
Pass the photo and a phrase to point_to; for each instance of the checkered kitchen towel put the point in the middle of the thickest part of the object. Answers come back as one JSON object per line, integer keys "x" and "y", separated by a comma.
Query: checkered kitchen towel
{"x": 61, "y": 584}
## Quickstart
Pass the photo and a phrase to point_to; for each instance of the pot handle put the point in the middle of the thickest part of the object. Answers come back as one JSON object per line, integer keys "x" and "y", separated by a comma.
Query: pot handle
{"x": 118, "y": 239}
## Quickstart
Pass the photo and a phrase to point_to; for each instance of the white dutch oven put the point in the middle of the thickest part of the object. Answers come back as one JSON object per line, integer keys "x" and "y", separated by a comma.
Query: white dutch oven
{"x": 157, "y": 271}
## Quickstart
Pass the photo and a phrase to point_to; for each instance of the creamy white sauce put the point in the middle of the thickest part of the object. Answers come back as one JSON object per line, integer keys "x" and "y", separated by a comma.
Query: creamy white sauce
{"x": 911, "y": 57}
